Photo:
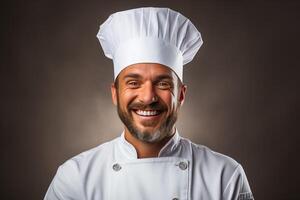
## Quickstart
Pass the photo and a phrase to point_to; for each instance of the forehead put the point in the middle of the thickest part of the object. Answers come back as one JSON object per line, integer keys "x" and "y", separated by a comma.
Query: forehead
{"x": 147, "y": 70}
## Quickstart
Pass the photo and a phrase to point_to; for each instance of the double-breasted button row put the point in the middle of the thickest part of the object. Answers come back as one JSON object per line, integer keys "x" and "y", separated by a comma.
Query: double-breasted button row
{"x": 182, "y": 165}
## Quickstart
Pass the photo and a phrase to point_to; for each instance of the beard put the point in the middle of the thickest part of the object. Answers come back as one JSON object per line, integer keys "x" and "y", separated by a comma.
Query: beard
{"x": 165, "y": 129}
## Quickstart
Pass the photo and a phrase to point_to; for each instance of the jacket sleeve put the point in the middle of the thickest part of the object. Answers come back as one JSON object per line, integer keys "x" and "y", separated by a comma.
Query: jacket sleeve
{"x": 65, "y": 184}
{"x": 238, "y": 187}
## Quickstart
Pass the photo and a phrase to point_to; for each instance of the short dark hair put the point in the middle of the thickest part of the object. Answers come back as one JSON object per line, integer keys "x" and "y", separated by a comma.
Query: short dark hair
{"x": 116, "y": 82}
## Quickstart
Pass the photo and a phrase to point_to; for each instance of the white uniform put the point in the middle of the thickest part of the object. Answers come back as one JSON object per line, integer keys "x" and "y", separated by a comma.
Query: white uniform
{"x": 182, "y": 171}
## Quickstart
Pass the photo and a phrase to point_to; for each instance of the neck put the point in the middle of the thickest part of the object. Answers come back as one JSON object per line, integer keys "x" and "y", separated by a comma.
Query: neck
{"x": 145, "y": 149}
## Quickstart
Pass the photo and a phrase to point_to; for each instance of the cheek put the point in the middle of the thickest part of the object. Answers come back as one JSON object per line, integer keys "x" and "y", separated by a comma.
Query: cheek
{"x": 125, "y": 97}
{"x": 169, "y": 99}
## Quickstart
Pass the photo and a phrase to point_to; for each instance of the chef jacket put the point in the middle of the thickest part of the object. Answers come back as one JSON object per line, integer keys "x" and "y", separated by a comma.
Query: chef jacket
{"x": 182, "y": 171}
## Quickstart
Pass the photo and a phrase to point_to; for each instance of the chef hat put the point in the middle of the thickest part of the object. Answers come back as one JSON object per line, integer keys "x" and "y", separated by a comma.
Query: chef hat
{"x": 149, "y": 35}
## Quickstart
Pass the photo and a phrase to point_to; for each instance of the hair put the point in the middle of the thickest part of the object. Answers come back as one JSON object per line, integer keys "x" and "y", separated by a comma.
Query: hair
{"x": 116, "y": 82}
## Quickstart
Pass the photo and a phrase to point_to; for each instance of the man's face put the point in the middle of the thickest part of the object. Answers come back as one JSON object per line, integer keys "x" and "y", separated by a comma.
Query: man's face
{"x": 148, "y": 97}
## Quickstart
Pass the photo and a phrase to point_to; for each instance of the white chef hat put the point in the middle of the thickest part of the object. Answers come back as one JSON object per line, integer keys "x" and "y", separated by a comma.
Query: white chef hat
{"x": 149, "y": 35}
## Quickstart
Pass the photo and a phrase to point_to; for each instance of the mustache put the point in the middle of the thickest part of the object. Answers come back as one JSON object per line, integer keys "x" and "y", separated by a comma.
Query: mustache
{"x": 141, "y": 106}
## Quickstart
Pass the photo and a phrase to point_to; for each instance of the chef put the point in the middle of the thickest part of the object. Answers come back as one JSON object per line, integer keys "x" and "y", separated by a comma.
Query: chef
{"x": 150, "y": 160}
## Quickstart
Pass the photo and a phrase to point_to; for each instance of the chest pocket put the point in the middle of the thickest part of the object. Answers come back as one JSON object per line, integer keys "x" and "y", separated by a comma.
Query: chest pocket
{"x": 152, "y": 178}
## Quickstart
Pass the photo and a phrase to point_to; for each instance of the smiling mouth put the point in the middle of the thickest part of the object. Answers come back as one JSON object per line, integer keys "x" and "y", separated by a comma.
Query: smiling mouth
{"x": 147, "y": 113}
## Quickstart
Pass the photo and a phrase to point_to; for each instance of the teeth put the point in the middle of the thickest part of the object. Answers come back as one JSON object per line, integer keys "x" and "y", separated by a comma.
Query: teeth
{"x": 147, "y": 112}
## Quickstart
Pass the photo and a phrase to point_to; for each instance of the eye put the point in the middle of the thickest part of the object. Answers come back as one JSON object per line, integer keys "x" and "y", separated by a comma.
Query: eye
{"x": 133, "y": 84}
{"x": 164, "y": 85}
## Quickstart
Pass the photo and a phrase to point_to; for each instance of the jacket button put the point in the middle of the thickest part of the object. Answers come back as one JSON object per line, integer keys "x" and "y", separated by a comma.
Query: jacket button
{"x": 183, "y": 165}
{"x": 116, "y": 167}
{"x": 175, "y": 198}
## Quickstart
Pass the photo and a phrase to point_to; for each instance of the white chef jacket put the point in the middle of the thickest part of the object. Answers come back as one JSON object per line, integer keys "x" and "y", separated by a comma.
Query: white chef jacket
{"x": 182, "y": 171}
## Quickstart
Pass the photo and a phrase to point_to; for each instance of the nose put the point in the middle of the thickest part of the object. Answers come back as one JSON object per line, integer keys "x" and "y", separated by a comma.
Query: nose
{"x": 147, "y": 94}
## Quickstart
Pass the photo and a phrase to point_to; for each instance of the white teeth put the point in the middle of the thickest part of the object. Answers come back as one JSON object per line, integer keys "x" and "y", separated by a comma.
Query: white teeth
{"x": 147, "y": 112}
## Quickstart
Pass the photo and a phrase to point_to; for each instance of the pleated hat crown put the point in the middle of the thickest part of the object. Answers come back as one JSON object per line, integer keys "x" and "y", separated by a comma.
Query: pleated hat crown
{"x": 149, "y": 35}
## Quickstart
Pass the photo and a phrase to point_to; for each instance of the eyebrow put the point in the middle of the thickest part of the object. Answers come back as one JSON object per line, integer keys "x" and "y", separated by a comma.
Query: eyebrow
{"x": 163, "y": 76}
{"x": 133, "y": 75}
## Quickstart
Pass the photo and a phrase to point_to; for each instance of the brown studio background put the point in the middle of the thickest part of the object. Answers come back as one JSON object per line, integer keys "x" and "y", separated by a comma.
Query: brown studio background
{"x": 243, "y": 97}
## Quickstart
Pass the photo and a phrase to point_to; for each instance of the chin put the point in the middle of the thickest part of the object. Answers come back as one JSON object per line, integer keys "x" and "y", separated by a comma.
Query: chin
{"x": 146, "y": 135}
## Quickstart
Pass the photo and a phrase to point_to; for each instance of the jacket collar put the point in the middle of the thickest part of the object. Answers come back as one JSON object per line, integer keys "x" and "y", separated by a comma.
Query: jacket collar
{"x": 169, "y": 149}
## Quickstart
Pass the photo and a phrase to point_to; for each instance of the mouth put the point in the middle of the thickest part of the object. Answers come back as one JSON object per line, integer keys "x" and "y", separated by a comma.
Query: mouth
{"x": 147, "y": 113}
{"x": 147, "y": 118}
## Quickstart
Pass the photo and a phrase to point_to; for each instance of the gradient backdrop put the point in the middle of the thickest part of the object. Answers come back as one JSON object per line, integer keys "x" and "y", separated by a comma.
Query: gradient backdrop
{"x": 242, "y": 100}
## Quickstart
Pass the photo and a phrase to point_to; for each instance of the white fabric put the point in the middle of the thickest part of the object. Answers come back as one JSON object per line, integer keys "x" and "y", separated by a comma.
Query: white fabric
{"x": 183, "y": 170}
{"x": 149, "y": 35}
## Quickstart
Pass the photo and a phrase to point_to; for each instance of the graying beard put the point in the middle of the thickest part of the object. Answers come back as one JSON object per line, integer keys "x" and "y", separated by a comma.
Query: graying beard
{"x": 147, "y": 137}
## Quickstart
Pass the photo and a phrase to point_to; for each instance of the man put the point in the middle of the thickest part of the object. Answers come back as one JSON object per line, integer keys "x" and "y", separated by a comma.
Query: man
{"x": 149, "y": 47}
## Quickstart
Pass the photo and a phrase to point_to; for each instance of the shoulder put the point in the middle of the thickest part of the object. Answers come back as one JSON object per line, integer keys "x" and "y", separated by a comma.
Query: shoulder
{"x": 214, "y": 167}
{"x": 82, "y": 162}
{"x": 101, "y": 150}
{"x": 71, "y": 174}
{"x": 206, "y": 156}
{"x": 209, "y": 164}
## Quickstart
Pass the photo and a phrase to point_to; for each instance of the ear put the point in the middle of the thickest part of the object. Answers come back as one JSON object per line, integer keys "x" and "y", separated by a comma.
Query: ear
{"x": 114, "y": 91}
{"x": 182, "y": 93}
